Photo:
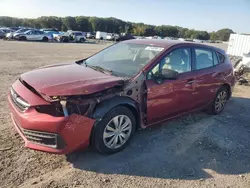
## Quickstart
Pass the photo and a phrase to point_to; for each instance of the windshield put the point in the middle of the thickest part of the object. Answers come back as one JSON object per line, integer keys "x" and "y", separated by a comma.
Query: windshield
{"x": 124, "y": 59}
{"x": 22, "y": 30}
{"x": 26, "y": 32}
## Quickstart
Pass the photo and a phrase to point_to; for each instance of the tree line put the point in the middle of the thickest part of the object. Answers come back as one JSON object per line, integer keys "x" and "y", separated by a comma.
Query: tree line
{"x": 113, "y": 25}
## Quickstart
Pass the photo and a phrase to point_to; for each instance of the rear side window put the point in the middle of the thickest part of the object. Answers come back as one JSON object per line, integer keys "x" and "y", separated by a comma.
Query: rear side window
{"x": 204, "y": 59}
{"x": 78, "y": 34}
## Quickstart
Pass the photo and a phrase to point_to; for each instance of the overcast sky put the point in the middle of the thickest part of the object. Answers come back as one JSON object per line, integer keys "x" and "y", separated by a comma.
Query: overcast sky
{"x": 209, "y": 15}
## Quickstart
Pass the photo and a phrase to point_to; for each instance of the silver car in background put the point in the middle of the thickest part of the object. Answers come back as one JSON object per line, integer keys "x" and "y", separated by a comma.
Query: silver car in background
{"x": 4, "y": 31}
{"x": 34, "y": 35}
{"x": 12, "y": 35}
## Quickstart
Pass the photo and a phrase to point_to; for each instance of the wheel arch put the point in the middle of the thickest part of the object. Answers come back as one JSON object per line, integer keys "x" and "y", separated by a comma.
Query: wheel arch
{"x": 105, "y": 106}
{"x": 226, "y": 85}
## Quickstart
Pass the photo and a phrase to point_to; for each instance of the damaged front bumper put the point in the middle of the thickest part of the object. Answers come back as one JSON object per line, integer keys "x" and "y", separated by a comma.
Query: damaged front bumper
{"x": 45, "y": 132}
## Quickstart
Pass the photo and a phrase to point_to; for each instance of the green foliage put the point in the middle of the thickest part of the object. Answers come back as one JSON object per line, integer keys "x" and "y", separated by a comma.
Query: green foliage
{"x": 113, "y": 25}
{"x": 213, "y": 36}
{"x": 224, "y": 34}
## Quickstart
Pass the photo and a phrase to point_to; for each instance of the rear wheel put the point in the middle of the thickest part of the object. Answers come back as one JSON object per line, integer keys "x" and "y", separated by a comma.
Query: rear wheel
{"x": 101, "y": 38}
{"x": 82, "y": 40}
{"x": 45, "y": 39}
{"x": 220, "y": 101}
{"x": 114, "y": 131}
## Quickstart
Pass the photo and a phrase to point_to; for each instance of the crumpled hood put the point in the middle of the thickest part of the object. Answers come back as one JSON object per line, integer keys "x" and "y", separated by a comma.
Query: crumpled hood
{"x": 69, "y": 79}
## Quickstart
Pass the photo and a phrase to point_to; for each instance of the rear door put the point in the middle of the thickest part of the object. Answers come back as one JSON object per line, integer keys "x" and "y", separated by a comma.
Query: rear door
{"x": 208, "y": 75}
{"x": 31, "y": 35}
{"x": 39, "y": 35}
{"x": 168, "y": 98}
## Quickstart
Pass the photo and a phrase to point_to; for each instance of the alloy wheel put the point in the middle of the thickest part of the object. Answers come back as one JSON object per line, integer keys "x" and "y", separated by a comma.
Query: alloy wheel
{"x": 220, "y": 101}
{"x": 117, "y": 131}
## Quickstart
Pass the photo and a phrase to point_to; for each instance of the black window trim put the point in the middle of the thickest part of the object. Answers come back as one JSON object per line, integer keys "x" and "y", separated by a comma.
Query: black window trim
{"x": 166, "y": 54}
{"x": 218, "y": 53}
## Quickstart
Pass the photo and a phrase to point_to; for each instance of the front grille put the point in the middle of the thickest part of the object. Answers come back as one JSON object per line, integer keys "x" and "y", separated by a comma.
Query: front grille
{"x": 19, "y": 102}
{"x": 43, "y": 138}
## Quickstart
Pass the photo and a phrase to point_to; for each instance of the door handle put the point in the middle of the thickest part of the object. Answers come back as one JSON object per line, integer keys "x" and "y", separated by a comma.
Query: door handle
{"x": 191, "y": 81}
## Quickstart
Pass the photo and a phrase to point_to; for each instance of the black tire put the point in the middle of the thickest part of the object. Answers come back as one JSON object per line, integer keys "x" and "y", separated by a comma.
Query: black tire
{"x": 22, "y": 38}
{"x": 213, "y": 110}
{"x": 45, "y": 39}
{"x": 64, "y": 39}
{"x": 101, "y": 38}
{"x": 82, "y": 40}
{"x": 98, "y": 140}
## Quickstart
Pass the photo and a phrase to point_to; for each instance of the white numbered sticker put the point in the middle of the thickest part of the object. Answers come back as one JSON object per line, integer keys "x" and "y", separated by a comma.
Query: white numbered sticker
{"x": 152, "y": 48}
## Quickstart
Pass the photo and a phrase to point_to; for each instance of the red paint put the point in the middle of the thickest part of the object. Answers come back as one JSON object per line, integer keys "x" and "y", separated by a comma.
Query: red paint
{"x": 164, "y": 101}
{"x": 71, "y": 79}
{"x": 75, "y": 129}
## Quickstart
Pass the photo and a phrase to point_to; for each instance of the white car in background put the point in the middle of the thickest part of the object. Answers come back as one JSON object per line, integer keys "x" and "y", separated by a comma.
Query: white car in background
{"x": 34, "y": 35}
{"x": 71, "y": 36}
{"x": 112, "y": 36}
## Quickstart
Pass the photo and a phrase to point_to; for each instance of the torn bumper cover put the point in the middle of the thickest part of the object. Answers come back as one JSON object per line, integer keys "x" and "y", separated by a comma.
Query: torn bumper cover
{"x": 45, "y": 132}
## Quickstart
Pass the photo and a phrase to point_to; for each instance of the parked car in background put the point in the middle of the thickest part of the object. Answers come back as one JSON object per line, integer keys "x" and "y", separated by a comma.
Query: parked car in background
{"x": 2, "y": 34}
{"x": 125, "y": 37}
{"x": 6, "y": 30}
{"x": 91, "y": 35}
{"x": 71, "y": 36}
{"x": 12, "y": 35}
{"x": 101, "y": 35}
{"x": 198, "y": 40}
{"x": 33, "y": 35}
{"x": 112, "y": 36}
{"x": 105, "y": 98}
{"x": 53, "y": 32}
{"x": 14, "y": 28}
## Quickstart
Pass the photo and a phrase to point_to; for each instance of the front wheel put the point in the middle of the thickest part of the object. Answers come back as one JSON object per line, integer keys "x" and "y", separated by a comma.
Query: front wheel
{"x": 115, "y": 130}
{"x": 22, "y": 38}
{"x": 220, "y": 101}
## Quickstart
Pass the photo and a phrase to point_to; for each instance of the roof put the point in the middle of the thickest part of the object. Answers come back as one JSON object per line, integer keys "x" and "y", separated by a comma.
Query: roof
{"x": 169, "y": 43}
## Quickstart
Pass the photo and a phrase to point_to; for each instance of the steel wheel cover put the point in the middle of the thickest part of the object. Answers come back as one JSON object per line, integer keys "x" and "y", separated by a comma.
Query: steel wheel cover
{"x": 117, "y": 131}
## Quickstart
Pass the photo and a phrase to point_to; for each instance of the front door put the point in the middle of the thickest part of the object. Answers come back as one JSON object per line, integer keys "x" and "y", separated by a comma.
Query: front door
{"x": 169, "y": 98}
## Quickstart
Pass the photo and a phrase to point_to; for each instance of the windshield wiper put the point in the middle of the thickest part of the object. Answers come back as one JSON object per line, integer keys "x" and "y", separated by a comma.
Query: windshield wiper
{"x": 101, "y": 69}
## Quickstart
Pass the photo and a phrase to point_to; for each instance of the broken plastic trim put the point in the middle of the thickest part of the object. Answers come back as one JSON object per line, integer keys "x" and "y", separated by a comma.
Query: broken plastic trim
{"x": 65, "y": 111}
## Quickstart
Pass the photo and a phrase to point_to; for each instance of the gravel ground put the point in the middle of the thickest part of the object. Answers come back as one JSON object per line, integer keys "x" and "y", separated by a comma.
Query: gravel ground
{"x": 197, "y": 150}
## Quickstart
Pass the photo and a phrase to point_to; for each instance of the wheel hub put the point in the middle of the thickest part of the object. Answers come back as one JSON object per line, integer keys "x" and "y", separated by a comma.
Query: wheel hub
{"x": 117, "y": 131}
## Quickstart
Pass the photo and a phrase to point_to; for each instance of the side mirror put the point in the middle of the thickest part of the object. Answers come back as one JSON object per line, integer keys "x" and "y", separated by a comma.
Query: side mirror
{"x": 169, "y": 74}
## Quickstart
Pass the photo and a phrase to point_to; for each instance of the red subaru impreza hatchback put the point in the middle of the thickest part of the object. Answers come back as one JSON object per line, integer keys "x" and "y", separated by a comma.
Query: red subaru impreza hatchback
{"x": 105, "y": 98}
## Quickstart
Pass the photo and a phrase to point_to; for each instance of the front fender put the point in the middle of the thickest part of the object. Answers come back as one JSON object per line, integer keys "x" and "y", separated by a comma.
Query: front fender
{"x": 105, "y": 106}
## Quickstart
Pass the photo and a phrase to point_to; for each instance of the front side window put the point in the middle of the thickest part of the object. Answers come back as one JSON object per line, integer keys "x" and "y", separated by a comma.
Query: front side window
{"x": 124, "y": 59}
{"x": 203, "y": 59}
{"x": 178, "y": 60}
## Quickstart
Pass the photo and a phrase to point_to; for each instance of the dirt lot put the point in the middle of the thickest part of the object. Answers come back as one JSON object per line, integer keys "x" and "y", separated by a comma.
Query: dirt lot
{"x": 197, "y": 150}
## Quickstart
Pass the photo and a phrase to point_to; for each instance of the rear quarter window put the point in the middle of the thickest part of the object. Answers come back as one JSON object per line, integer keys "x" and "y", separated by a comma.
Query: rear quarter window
{"x": 221, "y": 57}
